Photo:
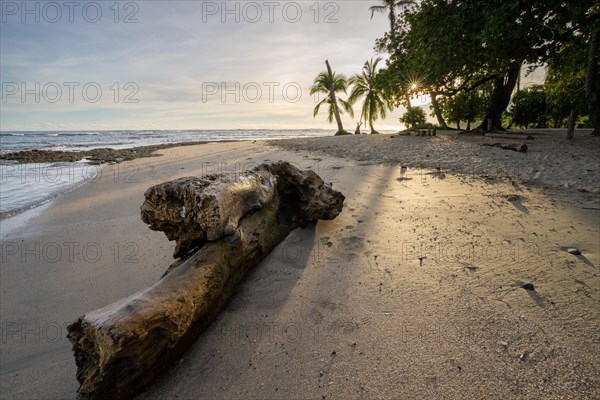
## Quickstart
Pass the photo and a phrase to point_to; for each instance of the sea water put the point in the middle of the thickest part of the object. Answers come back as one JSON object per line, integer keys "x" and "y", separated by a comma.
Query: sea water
{"x": 23, "y": 186}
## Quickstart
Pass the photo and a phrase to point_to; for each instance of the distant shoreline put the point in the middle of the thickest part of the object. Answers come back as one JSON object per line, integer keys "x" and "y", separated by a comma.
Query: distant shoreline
{"x": 574, "y": 165}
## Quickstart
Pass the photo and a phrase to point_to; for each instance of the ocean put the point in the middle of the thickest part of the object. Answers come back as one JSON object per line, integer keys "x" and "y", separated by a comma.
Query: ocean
{"x": 23, "y": 186}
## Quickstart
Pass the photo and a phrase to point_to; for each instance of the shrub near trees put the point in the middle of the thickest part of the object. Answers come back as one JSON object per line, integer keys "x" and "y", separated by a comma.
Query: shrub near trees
{"x": 565, "y": 82}
{"x": 464, "y": 106}
{"x": 415, "y": 116}
{"x": 529, "y": 107}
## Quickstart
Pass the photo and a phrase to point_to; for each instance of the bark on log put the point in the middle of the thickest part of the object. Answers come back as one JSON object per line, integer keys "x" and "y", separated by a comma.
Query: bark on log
{"x": 193, "y": 210}
{"x": 122, "y": 348}
{"x": 520, "y": 147}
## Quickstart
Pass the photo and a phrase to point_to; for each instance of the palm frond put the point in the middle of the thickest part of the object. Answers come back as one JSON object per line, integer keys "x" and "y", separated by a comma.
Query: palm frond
{"x": 316, "y": 110}
{"x": 347, "y": 106}
{"x": 331, "y": 113}
{"x": 379, "y": 9}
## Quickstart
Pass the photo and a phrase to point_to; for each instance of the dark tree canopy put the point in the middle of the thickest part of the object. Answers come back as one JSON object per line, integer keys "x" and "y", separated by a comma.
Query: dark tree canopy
{"x": 452, "y": 47}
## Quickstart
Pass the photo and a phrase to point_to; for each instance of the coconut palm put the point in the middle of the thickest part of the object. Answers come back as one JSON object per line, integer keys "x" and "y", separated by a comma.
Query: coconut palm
{"x": 390, "y": 6}
{"x": 366, "y": 84}
{"x": 329, "y": 83}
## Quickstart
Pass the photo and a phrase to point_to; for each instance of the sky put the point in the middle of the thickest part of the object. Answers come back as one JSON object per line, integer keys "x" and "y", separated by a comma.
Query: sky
{"x": 178, "y": 64}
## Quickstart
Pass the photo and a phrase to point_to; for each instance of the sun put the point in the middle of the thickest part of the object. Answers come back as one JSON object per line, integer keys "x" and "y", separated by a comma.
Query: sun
{"x": 413, "y": 82}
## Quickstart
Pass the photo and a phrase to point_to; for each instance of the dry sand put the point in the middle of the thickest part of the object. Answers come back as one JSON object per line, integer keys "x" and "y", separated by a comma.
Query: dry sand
{"x": 412, "y": 292}
{"x": 551, "y": 159}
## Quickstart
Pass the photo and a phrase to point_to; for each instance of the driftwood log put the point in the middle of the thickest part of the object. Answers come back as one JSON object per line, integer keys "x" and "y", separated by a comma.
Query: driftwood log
{"x": 520, "y": 147}
{"x": 236, "y": 221}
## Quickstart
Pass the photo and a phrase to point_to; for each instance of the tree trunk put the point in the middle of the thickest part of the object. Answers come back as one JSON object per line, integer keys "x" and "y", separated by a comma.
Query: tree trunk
{"x": 468, "y": 125}
{"x": 437, "y": 111}
{"x": 591, "y": 94}
{"x": 515, "y": 110}
{"x": 571, "y": 124}
{"x": 503, "y": 88}
{"x": 334, "y": 100}
{"x": 392, "y": 16}
{"x": 413, "y": 124}
{"x": 458, "y": 125}
{"x": 357, "y": 130}
{"x": 120, "y": 349}
{"x": 373, "y": 131}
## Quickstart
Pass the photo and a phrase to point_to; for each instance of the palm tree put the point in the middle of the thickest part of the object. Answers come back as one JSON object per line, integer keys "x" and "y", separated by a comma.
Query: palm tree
{"x": 390, "y": 6}
{"x": 367, "y": 84}
{"x": 329, "y": 83}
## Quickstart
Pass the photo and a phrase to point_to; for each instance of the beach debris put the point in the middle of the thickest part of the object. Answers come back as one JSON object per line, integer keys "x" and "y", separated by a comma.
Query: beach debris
{"x": 574, "y": 251}
{"x": 520, "y": 147}
{"x": 215, "y": 203}
{"x": 513, "y": 198}
{"x": 121, "y": 349}
{"x": 528, "y": 286}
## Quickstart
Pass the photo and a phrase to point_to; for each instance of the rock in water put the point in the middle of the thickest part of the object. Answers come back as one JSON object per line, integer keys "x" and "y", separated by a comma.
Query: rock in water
{"x": 123, "y": 347}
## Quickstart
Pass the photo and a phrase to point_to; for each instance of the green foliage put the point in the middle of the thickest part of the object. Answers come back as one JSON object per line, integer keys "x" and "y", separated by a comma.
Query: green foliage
{"x": 448, "y": 47}
{"x": 329, "y": 85}
{"x": 564, "y": 84}
{"x": 465, "y": 106}
{"x": 389, "y": 7}
{"x": 367, "y": 84}
{"x": 529, "y": 107}
{"x": 415, "y": 114}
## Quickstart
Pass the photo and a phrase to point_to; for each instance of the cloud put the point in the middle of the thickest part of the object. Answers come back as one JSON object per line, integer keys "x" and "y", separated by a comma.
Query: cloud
{"x": 174, "y": 49}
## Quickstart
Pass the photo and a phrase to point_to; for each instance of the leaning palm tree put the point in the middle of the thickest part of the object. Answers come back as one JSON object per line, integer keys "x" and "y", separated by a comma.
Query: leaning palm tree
{"x": 367, "y": 84}
{"x": 330, "y": 83}
{"x": 390, "y": 6}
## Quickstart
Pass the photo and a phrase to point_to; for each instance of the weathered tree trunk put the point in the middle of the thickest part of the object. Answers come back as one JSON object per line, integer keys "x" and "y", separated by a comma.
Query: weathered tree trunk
{"x": 333, "y": 100}
{"x": 503, "y": 88}
{"x": 571, "y": 124}
{"x": 194, "y": 210}
{"x": 437, "y": 111}
{"x": 520, "y": 147}
{"x": 122, "y": 348}
{"x": 357, "y": 130}
{"x": 591, "y": 93}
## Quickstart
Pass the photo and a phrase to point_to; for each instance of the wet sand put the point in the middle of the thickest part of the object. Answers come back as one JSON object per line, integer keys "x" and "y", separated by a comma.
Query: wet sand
{"x": 414, "y": 291}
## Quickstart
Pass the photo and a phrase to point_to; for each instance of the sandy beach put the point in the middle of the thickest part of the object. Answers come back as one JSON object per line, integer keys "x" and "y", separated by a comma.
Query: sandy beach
{"x": 414, "y": 291}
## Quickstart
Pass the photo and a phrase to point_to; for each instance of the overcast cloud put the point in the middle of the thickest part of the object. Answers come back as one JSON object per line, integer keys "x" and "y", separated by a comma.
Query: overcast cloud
{"x": 164, "y": 65}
